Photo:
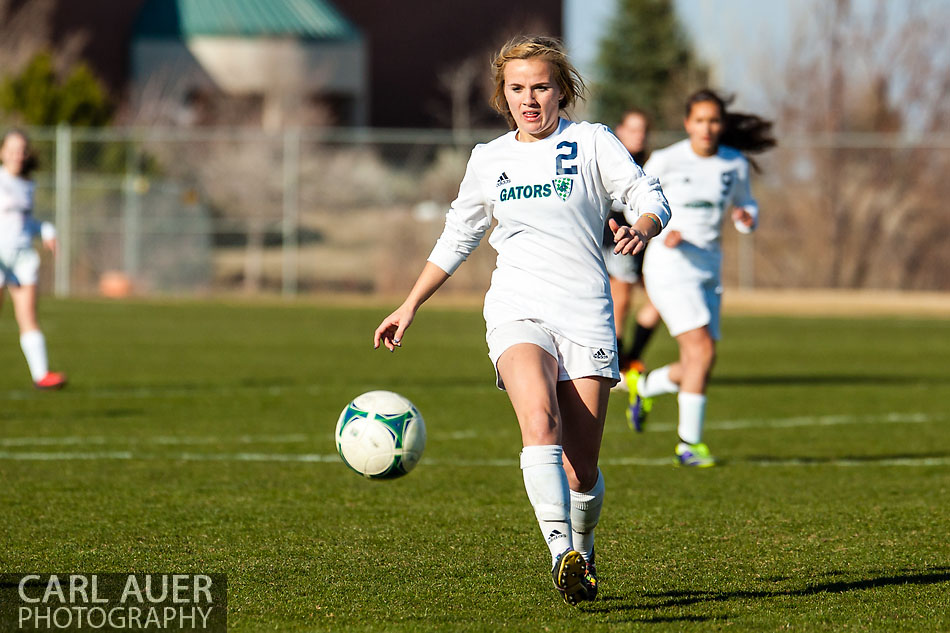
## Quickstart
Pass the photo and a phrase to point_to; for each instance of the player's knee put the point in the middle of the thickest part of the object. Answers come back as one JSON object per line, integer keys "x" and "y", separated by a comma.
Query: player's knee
{"x": 705, "y": 354}
{"x": 700, "y": 352}
{"x": 648, "y": 316}
{"x": 538, "y": 425}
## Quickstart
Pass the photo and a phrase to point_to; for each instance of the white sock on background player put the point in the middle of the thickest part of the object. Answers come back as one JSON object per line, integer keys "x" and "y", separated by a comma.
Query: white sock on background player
{"x": 33, "y": 344}
{"x": 546, "y": 484}
{"x": 656, "y": 383}
{"x": 692, "y": 408}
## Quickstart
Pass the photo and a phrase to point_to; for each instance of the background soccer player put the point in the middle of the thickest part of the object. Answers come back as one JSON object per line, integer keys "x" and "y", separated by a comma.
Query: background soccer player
{"x": 19, "y": 261}
{"x": 549, "y": 183}
{"x": 704, "y": 177}
{"x": 625, "y": 271}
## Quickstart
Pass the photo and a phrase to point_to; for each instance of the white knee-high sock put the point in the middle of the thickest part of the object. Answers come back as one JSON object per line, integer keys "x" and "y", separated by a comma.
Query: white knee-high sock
{"x": 656, "y": 383}
{"x": 692, "y": 415}
{"x": 33, "y": 345}
{"x": 585, "y": 514}
{"x": 549, "y": 493}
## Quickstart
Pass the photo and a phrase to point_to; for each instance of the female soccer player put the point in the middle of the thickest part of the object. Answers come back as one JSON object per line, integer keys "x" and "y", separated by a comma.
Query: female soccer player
{"x": 19, "y": 262}
{"x": 549, "y": 184}
{"x": 626, "y": 272}
{"x": 704, "y": 176}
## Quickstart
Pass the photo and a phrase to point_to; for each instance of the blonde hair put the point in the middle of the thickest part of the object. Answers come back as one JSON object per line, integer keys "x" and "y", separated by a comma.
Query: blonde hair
{"x": 549, "y": 49}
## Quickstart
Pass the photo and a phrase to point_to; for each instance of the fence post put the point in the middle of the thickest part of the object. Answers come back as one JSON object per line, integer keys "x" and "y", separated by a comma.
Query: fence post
{"x": 63, "y": 196}
{"x": 132, "y": 212}
{"x": 291, "y": 191}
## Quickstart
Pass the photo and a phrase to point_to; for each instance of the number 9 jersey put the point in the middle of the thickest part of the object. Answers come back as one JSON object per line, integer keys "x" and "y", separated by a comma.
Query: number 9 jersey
{"x": 701, "y": 190}
{"x": 550, "y": 199}
{"x": 684, "y": 281}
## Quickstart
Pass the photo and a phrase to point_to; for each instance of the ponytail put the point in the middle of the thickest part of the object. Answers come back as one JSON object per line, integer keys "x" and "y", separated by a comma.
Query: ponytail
{"x": 748, "y": 133}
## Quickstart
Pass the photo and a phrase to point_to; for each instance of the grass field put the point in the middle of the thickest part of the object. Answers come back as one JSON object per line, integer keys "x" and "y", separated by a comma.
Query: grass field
{"x": 197, "y": 437}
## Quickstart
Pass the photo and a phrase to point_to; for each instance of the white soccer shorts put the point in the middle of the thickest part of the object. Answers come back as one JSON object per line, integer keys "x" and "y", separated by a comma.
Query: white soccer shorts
{"x": 573, "y": 360}
{"x": 19, "y": 267}
{"x": 688, "y": 304}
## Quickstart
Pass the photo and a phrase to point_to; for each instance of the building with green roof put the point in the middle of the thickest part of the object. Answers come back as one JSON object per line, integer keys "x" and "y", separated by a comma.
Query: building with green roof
{"x": 273, "y": 63}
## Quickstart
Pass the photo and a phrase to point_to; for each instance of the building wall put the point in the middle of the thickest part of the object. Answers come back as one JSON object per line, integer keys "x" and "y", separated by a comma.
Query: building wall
{"x": 412, "y": 41}
{"x": 409, "y": 43}
{"x": 107, "y": 25}
{"x": 288, "y": 78}
{"x": 242, "y": 65}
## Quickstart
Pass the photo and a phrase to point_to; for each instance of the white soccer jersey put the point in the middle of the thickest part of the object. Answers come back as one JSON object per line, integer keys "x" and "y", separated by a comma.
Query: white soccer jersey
{"x": 18, "y": 227}
{"x": 702, "y": 189}
{"x": 550, "y": 198}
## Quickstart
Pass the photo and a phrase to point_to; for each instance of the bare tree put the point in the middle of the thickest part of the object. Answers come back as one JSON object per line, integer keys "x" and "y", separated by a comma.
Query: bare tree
{"x": 460, "y": 82}
{"x": 867, "y": 85}
{"x": 238, "y": 168}
{"x": 27, "y": 29}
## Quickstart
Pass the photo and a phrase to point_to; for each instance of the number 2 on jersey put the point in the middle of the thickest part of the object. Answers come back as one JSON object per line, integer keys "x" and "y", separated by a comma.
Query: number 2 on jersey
{"x": 570, "y": 154}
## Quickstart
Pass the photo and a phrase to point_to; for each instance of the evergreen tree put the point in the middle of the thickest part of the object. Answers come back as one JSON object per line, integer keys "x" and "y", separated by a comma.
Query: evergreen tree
{"x": 36, "y": 96}
{"x": 646, "y": 61}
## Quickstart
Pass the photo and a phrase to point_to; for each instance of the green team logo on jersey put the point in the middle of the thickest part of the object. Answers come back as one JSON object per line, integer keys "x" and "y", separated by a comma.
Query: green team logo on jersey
{"x": 563, "y": 188}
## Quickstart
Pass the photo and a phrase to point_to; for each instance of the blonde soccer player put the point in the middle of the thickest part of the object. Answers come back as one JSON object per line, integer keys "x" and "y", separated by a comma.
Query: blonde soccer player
{"x": 19, "y": 261}
{"x": 549, "y": 184}
{"x": 706, "y": 178}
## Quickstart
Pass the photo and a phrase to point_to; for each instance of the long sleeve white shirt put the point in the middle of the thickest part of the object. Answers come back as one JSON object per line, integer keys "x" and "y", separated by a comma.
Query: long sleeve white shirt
{"x": 550, "y": 199}
{"x": 18, "y": 227}
{"x": 701, "y": 191}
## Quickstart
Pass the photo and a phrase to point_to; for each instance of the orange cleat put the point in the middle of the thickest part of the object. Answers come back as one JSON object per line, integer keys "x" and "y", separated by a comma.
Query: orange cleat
{"x": 52, "y": 380}
{"x": 637, "y": 366}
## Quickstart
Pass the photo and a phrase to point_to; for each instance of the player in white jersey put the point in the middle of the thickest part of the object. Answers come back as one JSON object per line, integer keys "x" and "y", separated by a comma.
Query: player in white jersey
{"x": 19, "y": 262}
{"x": 549, "y": 184}
{"x": 705, "y": 177}
{"x": 627, "y": 272}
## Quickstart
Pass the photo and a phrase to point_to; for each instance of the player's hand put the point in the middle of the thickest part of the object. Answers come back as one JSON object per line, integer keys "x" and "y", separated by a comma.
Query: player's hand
{"x": 743, "y": 217}
{"x": 673, "y": 239}
{"x": 51, "y": 245}
{"x": 627, "y": 240}
{"x": 393, "y": 327}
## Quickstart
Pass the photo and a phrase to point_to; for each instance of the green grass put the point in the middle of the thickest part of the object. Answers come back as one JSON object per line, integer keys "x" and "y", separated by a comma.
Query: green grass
{"x": 830, "y": 512}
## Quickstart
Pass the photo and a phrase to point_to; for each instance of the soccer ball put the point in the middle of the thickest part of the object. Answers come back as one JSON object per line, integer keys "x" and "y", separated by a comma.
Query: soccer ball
{"x": 380, "y": 435}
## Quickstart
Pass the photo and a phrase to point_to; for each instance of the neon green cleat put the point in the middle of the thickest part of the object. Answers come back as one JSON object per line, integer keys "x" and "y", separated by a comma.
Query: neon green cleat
{"x": 639, "y": 406}
{"x": 695, "y": 455}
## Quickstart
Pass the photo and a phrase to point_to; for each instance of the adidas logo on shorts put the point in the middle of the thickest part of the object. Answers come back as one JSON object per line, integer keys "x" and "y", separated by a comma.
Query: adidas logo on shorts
{"x": 600, "y": 355}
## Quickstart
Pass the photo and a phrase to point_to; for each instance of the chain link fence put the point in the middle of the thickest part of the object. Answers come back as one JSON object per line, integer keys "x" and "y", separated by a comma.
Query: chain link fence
{"x": 208, "y": 211}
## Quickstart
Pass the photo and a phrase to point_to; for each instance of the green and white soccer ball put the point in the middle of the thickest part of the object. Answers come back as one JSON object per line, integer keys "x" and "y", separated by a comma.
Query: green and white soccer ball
{"x": 380, "y": 435}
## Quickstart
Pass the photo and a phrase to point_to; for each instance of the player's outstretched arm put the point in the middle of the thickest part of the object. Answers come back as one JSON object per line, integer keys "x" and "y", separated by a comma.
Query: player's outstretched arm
{"x": 630, "y": 240}
{"x": 393, "y": 327}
